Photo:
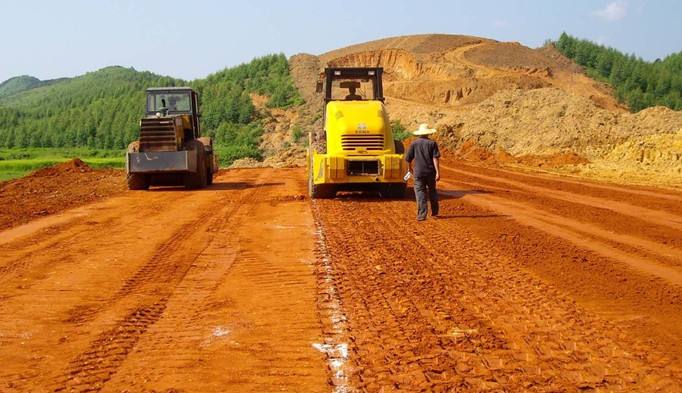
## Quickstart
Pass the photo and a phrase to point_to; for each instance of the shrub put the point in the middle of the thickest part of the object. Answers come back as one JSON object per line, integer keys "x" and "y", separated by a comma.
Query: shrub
{"x": 399, "y": 131}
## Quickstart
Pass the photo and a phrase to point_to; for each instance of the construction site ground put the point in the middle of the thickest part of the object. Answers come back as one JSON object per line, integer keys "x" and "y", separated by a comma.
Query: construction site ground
{"x": 526, "y": 282}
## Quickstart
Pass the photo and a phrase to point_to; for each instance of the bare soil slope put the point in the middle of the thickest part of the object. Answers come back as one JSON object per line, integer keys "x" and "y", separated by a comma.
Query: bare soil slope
{"x": 506, "y": 98}
{"x": 454, "y": 70}
{"x": 550, "y": 120}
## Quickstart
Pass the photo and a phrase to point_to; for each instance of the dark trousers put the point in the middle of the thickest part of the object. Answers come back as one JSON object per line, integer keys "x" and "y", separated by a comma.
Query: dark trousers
{"x": 422, "y": 186}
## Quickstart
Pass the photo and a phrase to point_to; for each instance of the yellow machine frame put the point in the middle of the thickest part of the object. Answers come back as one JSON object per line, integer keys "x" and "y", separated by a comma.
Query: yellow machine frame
{"x": 361, "y": 152}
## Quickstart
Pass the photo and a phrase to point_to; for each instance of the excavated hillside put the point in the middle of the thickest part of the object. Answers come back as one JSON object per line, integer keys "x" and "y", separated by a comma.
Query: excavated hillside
{"x": 508, "y": 102}
{"x": 452, "y": 71}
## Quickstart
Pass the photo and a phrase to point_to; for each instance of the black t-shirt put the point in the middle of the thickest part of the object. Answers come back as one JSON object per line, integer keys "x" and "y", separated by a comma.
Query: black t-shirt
{"x": 423, "y": 151}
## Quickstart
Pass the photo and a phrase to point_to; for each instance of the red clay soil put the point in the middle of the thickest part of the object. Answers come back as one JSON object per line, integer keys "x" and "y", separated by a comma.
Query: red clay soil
{"x": 512, "y": 289}
{"x": 55, "y": 189}
{"x": 469, "y": 151}
{"x": 167, "y": 290}
{"x": 526, "y": 282}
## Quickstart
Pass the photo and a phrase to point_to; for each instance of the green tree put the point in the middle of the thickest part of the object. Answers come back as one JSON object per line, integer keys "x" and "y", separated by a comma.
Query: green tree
{"x": 102, "y": 109}
{"x": 637, "y": 83}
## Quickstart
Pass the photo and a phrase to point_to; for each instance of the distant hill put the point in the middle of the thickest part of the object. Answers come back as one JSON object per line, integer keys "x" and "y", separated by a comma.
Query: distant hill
{"x": 23, "y": 83}
{"x": 101, "y": 109}
{"x": 18, "y": 84}
{"x": 504, "y": 99}
{"x": 455, "y": 70}
{"x": 98, "y": 109}
{"x": 501, "y": 96}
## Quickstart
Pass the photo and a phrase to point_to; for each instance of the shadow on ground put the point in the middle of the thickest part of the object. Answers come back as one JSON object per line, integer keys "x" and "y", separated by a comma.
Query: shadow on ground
{"x": 227, "y": 186}
{"x": 374, "y": 196}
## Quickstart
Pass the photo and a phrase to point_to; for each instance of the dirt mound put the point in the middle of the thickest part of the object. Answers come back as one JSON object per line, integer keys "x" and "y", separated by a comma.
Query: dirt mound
{"x": 551, "y": 52}
{"x": 471, "y": 151}
{"x": 646, "y": 159}
{"x": 512, "y": 55}
{"x": 305, "y": 69}
{"x": 511, "y": 103}
{"x": 454, "y": 70}
{"x": 653, "y": 150}
{"x": 421, "y": 45}
{"x": 54, "y": 189}
{"x": 429, "y": 76}
{"x": 75, "y": 165}
{"x": 551, "y": 121}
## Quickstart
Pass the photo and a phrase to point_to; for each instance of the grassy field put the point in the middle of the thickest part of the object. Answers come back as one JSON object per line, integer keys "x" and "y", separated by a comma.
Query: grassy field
{"x": 16, "y": 163}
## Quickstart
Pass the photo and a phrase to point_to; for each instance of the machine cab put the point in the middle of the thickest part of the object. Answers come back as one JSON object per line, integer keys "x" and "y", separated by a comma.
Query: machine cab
{"x": 171, "y": 101}
{"x": 174, "y": 101}
{"x": 361, "y": 153}
{"x": 352, "y": 84}
{"x": 355, "y": 120}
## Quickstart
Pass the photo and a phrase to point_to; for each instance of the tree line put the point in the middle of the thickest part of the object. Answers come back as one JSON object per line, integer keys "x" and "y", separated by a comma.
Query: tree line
{"x": 102, "y": 109}
{"x": 636, "y": 82}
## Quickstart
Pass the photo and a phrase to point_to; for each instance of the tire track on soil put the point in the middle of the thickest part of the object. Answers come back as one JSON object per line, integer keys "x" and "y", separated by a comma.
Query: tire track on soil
{"x": 589, "y": 236}
{"x": 155, "y": 281}
{"x": 642, "y": 213}
{"x": 243, "y": 286}
{"x": 60, "y": 242}
{"x": 157, "y": 272}
{"x": 480, "y": 320}
{"x": 571, "y": 183}
{"x": 94, "y": 367}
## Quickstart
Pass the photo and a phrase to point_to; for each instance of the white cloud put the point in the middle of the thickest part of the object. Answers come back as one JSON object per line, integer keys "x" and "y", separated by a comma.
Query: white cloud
{"x": 613, "y": 11}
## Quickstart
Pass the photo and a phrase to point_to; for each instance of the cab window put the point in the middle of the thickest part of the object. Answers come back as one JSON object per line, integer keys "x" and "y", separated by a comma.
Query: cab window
{"x": 172, "y": 102}
{"x": 352, "y": 89}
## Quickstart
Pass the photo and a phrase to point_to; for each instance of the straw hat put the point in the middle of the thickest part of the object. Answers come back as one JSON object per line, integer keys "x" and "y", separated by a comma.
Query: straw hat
{"x": 424, "y": 130}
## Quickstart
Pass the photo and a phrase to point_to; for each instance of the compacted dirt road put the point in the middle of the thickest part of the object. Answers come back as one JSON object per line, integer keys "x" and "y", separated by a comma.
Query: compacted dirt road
{"x": 525, "y": 283}
{"x": 166, "y": 290}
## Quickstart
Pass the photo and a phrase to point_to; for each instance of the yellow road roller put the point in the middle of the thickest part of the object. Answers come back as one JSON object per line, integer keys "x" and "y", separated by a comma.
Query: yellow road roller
{"x": 361, "y": 154}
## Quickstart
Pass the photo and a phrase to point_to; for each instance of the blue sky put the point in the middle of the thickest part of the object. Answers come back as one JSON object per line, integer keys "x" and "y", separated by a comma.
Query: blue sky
{"x": 190, "y": 39}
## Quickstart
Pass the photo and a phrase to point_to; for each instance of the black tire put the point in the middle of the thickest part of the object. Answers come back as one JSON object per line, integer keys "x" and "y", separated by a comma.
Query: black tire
{"x": 211, "y": 162}
{"x": 209, "y": 176}
{"x": 138, "y": 181}
{"x": 394, "y": 191}
{"x": 322, "y": 191}
{"x": 399, "y": 147}
{"x": 197, "y": 179}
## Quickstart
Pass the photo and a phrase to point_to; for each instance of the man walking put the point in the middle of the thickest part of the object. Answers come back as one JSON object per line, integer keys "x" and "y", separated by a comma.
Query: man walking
{"x": 425, "y": 154}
